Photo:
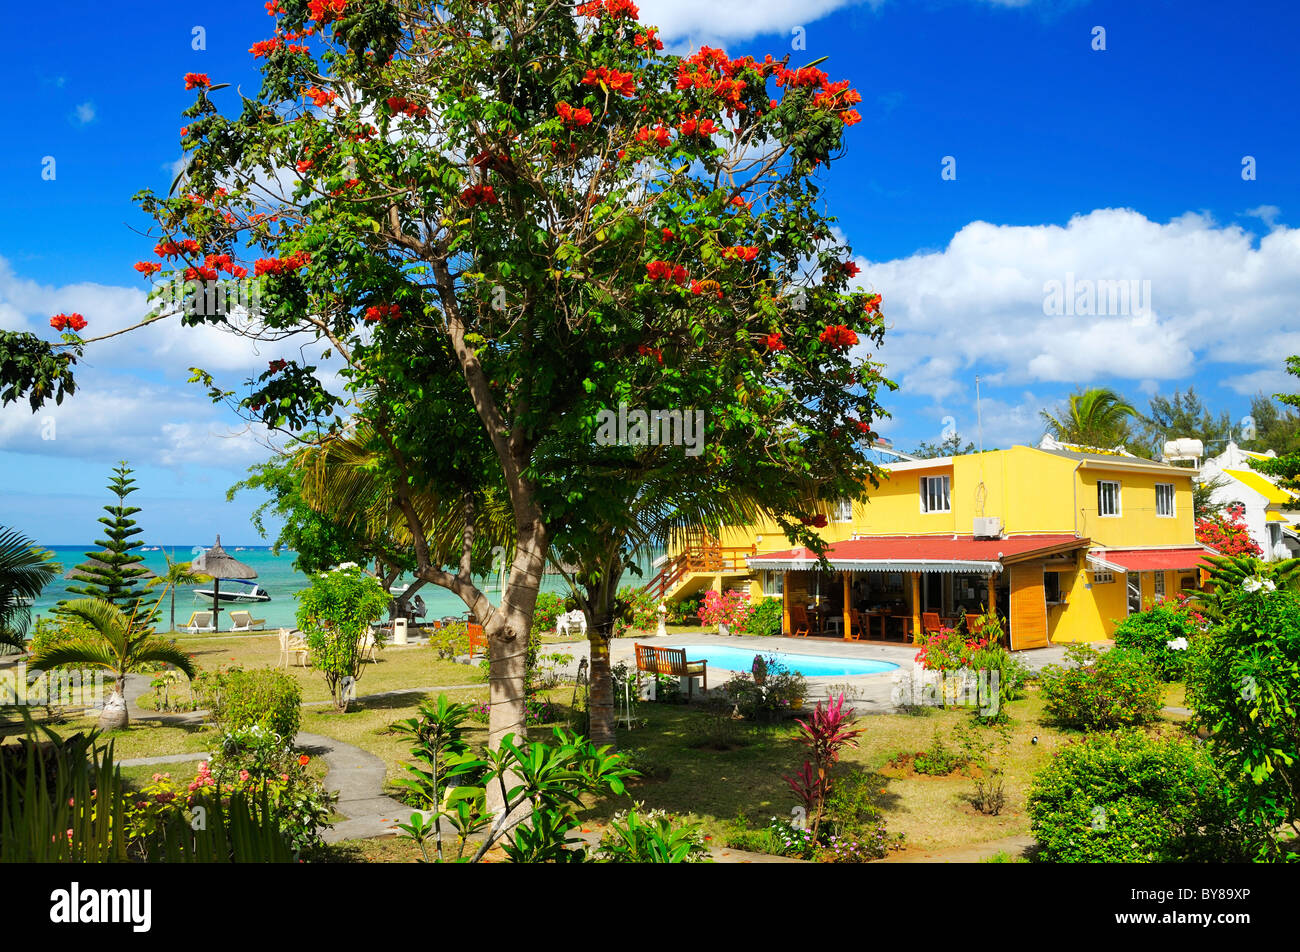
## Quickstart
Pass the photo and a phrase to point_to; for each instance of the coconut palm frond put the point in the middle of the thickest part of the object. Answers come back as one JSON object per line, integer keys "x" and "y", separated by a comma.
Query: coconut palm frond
{"x": 112, "y": 624}
{"x": 81, "y": 652}
{"x": 25, "y": 570}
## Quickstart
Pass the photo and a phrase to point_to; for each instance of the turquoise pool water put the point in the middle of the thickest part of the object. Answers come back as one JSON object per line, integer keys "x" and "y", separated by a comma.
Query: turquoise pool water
{"x": 811, "y": 666}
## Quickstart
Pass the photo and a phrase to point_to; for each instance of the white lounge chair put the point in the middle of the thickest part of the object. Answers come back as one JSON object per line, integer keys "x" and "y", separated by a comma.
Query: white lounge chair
{"x": 291, "y": 643}
{"x": 244, "y": 621}
{"x": 199, "y": 621}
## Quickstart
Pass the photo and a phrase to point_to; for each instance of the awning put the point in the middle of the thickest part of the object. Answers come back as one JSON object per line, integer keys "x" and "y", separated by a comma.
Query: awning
{"x": 1149, "y": 560}
{"x": 949, "y": 554}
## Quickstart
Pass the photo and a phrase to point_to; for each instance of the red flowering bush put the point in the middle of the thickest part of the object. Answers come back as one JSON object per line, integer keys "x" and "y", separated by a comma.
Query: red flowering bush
{"x": 732, "y": 609}
{"x": 1227, "y": 533}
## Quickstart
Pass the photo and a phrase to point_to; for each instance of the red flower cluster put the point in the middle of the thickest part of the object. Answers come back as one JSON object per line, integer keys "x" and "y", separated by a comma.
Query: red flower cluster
{"x": 401, "y": 104}
{"x": 645, "y": 351}
{"x": 665, "y": 270}
{"x": 295, "y": 261}
{"x": 838, "y": 336}
{"x": 148, "y": 267}
{"x": 850, "y": 269}
{"x": 276, "y": 366}
{"x": 479, "y": 195}
{"x": 201, "y": 274}
{"x": 707, "y": 287}
{"x": 648, "y": 39}
{"x": 168, "y": 249}
{"x": 622, "y": 83}
{"x": 224, "y": 263}
{"x": 668, "y": 234}
{"x": 267, "y": 47}
{"x": 304, "y": 165}
{"x": 490, "y": 160}
{"x": 319, "y": 97}
{"x": 774, "y": 342}
{"x": 323, "y": 11}
{"x": 697, "y": 126}
{"x": 740, "y": 252}
{"x": 197, "y": 80}
{"x": 73, "y": 321}
{"x": 573, "y": 117}
{"x": 817, "y": 522}
{"x": 1227, "y": 533}
{"x": 659, "y": 134}
{"x": 872, "y": 304}
{"x": 609, "y": 8}
{"x": 378, "y": 312}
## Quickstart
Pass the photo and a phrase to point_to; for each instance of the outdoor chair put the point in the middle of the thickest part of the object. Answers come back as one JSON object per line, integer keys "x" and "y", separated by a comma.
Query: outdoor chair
{"x": 931, "y": 623}
{"x": 291, "y": 643}
{"x": 799, "y": 621}
{"x": 477, "y": 639}
{"x": 199, "y": 621}
{"x": 244, "y": 621}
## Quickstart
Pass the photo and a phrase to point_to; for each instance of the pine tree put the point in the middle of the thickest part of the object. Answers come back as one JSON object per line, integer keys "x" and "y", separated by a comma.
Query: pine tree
{"x": 114, "y": 573}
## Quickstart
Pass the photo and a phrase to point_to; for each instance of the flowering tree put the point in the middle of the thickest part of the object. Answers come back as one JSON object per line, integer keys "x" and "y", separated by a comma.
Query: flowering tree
{"x": 504, "y": 219}
{"x": 334, "y": 614}
{"x": 731, "y": 609}
{"x": 1227, "y": 533}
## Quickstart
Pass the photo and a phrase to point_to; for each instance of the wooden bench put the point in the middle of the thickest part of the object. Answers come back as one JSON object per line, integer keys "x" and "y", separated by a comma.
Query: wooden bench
{"x": 671, "y": 662}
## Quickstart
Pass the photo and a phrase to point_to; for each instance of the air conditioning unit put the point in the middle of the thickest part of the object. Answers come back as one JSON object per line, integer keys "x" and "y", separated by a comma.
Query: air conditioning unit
{"x": 988, "y": 527}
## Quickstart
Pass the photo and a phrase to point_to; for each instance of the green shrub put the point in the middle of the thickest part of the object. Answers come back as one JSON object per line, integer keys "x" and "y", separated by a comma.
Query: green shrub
{"x": 651, "y": 836}
{"x": 938, "y": 760}
{"x": 547, "y": 611}
{"x": 1151, "y": 631}
{"x": 637, "y": 609}
{"x": 1119, "y": 688}
{"x": 682, "y": 609}
{"x": 262, "y": 697}
{"x": 772, "y": 700}
{"x": 779, "y": 838}
{"x": 450, "y": 641}
{"x": 1244, "y": 685}
{"x": 1012, "y": 675}
{"x": 1128, "y": 798}
{"x": 766, "y": 618}
{"x": 856, "y": 831}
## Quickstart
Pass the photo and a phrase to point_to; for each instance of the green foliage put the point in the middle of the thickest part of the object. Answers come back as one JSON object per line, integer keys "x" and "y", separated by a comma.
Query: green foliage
{"x": 1097, "y": 418}
{"x": 1227, "y": 574}
{"x": 546, "y": 612}
{"x": 767, "y": 618}
{"x": 1244, "y": 685}
{"x": 779, "y": 838}
{"x": 1151, "y": 631}
{"x": 637, "y": 609}
{"x": 25, "y": 570}
{"x": 684, "y": 608}
{"x": 334, "y": 615}
{"x": 770, "y": 701}
{"x": 32, "y": 368}
{"x": 1102, "y": 691}
{"x": 651, "y": 836}
{"x": 1285, "y": 466}
{"x": 855, "y": 830}
{"x": 1127, "y": 798}
{"x": 114, "y": 573}
{"x": 264, "y": 697}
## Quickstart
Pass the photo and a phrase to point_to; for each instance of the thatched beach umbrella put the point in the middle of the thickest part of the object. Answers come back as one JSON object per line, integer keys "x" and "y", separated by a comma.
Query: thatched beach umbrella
{"x": 217, "y": 563}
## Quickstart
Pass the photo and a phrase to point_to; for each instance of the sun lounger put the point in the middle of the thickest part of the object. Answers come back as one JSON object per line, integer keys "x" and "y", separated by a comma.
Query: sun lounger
{"x": 244, "y": 621}
{"x": 199, "y": 621}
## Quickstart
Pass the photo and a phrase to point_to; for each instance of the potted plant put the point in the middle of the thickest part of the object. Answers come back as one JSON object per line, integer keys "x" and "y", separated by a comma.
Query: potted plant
{"x": 759, "y": 670}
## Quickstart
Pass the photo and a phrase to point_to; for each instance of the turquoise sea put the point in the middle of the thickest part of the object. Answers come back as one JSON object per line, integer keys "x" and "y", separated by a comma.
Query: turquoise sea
{"x": 276, "y": 574}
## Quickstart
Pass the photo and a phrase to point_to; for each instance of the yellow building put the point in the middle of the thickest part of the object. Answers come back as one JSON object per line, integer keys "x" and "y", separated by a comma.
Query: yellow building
{"x": 1062, "y": 544}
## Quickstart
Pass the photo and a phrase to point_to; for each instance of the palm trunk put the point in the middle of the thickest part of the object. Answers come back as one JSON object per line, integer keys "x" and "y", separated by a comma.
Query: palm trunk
{"x": 114, "y": 716}
{"x": 601, "y": 709}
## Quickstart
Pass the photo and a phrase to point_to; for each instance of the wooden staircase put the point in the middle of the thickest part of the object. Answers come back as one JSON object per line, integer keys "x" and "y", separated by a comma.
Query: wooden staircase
{"x": 699, "y": 557}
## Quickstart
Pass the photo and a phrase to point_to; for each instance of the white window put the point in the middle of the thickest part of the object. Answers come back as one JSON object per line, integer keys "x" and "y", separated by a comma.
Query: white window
{"x": 1159, "y": 579}
{"x": 935, "y": 495}
{"x": 1134, "y": 582}
{"x": 843, "y": 510}
{"x": 1103, "y": 578}
{"x": 773, "y": 582}
{"x": 1107, "y": 498}
{"x": 1165, "y": 499}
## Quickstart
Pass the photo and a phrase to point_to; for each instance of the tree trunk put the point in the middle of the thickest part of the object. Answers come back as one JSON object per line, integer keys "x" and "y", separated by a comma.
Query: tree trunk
{"x": 602, "y": 711}
{"x": 507, "y": 634}
{"x": 173, "y": 608}
{"x": 114, "y": 716}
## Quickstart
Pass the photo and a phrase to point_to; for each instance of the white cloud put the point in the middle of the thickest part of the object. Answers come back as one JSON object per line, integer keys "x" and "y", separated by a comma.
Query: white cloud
{"x": 977, "y": 306}
{"x": 1268, "y": 214}
{"x": 721, "y": 21}
{"x": 85, "y": 112}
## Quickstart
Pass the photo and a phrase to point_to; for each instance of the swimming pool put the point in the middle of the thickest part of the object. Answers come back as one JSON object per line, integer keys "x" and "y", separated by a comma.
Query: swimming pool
{"x": 812, "y": 666}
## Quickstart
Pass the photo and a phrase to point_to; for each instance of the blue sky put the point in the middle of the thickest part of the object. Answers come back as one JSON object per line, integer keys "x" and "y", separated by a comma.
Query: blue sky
{"x": 1124, "y": 163}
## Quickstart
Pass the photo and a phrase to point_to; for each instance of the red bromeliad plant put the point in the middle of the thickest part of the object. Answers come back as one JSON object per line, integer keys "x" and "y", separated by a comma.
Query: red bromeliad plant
{"x": 827, "y": 733}
{"x": 503, "y": 219}
{"x": 1227, "y": 532}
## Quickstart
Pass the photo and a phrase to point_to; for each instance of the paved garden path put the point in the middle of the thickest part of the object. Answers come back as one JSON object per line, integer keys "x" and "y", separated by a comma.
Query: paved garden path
{"x": 1013, "y": 846}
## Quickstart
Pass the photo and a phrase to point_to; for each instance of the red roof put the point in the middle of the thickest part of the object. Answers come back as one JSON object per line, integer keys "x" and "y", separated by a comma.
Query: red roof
{"x": 929, "y": 549}
{"x": 1152, "y": 560}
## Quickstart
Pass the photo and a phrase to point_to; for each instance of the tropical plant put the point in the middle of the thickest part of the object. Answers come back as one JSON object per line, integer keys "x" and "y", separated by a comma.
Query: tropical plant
{"x": 335, "y": 614}
{"x": 766, "y": 618}
{"x": 439, "y": 753}
{"x": 177, "y": 573}
{"x": 117, "y": 642}
{"x": 1162, "y": 632}
{"x": 731, "y": 609}
{"x": 1227, "y": 573}
{"x": 114, "y": 573}
{"x": 1227, "y": 533}
{"x": 825, "y": 734}
{"x": 651, "y": 836}
{"x": 1244, "y": 685}
{"x": 1286, "y": 467}
{"x": 1127, "y": 798}
{"x": 264, "y": 697}
{"x": 1096, "y": 418}
{"x": 25, "y": 570}
{"x": 1098, "y": 691}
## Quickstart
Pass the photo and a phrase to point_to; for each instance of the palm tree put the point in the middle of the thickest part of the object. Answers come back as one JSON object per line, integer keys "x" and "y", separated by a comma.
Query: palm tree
{"x": 24, "y": 571}
{"x": 1096, "y": 418}
{"x": 121, "y": 644}
{"x": 178, "y": 573}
